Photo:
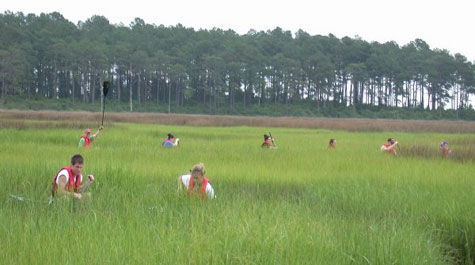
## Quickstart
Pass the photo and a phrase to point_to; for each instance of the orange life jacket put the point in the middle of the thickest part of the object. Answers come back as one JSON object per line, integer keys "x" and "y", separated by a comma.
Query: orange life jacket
{"x": 191, "y": 187}
{"x": 72, "y": 185}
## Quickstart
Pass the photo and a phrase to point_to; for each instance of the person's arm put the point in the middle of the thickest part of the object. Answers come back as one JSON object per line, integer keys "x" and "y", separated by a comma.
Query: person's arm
{"x": 393, "y": 145}
{"x": 62, "y": 188}
{"x": 210, "y": 192}
{"x": 82, "y": 142}
{"x": 97, "y": 133}
{"x": 180, "y": 184}
{"x": 89, "y": 180}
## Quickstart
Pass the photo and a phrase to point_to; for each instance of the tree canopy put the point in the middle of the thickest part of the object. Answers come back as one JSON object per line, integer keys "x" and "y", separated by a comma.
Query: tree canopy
{"x": 47, "y": 56}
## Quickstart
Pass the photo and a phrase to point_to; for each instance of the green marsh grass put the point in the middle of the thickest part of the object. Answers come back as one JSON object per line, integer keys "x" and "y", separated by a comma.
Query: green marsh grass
{"x": 299, "y": 204}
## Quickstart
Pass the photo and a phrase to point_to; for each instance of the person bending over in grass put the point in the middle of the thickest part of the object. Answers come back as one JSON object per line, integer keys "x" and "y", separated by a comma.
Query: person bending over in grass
{"x": 268, "y": 142}
{"x": 171, "y": 141}
{"x": 196, "y": 184}
{"x": 332, "y": 143}
{"x": 86, "y": 139}
{"x": 444, "y": 148}
{"x": 67, "y": 182}
{"x": 390, "y": 146}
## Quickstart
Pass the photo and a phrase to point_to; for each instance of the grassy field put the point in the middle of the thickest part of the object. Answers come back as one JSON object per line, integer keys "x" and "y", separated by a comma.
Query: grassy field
{"x": 299, "y": 204}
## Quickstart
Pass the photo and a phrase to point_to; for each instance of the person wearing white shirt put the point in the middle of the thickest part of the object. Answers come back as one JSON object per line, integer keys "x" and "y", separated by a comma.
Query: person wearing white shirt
{"x": 196, "y": 184}
{"x": 68, "y": 180}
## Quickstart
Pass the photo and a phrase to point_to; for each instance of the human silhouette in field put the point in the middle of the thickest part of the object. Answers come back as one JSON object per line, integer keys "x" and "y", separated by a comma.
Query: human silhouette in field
{"x": 444, "y": 148}
{"x": 390, "y": 146}
{"x": 196, "y": 183}
{"x": 332, "y": 144}
{"x": 171, "y": 141}
{"x": 68, "y": 181}
{"x": 87, "y": 139}
{"x": 268, "y": 142}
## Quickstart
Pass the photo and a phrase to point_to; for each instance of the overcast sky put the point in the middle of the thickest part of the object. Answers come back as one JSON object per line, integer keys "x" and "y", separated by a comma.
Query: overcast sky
{"x": 442, "y": 24}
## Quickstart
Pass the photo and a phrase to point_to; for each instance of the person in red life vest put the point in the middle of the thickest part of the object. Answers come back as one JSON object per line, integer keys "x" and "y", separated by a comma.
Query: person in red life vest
{"x": 390, "y": 146}
{"x": 86, "y": 139}
{"x": 332, "y": 143}
{"x": 268, "y": 142}
{"x": 171, "y": 141}
{"x": 196, "y": 184}
{"x": 444, "y": 148}
{"x": 69, "y": 180}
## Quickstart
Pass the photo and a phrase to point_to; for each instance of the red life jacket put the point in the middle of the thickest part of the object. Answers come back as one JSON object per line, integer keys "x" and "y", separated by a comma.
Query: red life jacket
{"x": 266, "y": 142}
{"x": 87, "y": 140}
{"x": 392, "y": 150}
{"x": 72, "y": 185}
{"x": 191, "y": 187}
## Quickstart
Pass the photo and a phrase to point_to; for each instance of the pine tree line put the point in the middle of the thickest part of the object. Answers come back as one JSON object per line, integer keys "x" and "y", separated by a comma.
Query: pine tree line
{"x": 47, "y": 56}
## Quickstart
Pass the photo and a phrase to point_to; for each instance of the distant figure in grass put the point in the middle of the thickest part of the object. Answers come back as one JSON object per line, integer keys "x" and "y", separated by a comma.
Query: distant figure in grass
{"x": 196, "y": 184}
{"x": 268, "y": 142}
{"x": 390, "y": 146}
{"x": 171, "y": 141}
{"x": 86, "y": 139}
{"x": 444, "y": 148}
{"x": 67, "y": 182}
{"x": 332, "y": 143}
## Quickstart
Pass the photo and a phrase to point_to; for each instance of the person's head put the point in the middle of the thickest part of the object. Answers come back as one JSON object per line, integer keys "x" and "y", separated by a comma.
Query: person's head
{"x": 77, "y": 162}
{"x": 170, "y": 136}
{"x": 332, "y": 142}
{"x": 198, "y": 173}
{"x": 266, "y": 137}
{"x": 444, "y": 144}
{"x": 88, "y": 131}
{"x": 391, "y": 140}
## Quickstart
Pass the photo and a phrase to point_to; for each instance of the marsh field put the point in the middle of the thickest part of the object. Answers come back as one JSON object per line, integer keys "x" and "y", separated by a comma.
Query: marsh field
{"x": 299, "y": 204}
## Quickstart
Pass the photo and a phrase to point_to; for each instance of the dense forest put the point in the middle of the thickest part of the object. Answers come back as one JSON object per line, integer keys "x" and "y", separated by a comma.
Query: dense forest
{"x": 47, "y": 57}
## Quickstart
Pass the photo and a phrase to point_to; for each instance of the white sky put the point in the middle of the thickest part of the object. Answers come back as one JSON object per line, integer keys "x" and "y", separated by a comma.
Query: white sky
{"x": 442, "y": 24}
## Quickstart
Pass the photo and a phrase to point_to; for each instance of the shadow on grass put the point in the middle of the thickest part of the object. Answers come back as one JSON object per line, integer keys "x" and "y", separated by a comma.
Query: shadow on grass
{"x": 458, "y": 235}
{"x": 460, "y": 239}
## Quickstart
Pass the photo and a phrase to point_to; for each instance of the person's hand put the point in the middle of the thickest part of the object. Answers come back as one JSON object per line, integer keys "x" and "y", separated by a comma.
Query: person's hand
{"x": 90, "y": 178}
{"x": 395, "y": 142}
{"x": 77, "y": 196}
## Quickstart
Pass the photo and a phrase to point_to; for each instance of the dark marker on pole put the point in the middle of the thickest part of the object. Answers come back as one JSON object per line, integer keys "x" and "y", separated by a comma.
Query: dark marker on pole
{"x": 105, "y": 89}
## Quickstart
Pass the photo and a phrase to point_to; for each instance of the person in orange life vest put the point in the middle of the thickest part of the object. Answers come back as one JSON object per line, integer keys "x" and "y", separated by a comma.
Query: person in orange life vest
{"x": 171, "y": 141}
{"x": 69, "y": 180}
{"x": 268, "y": 142}
{"x": 86, "y": 139}
{"x": 390, "y": 146}
{"x": 332, "y": 143}
{"x": 196, "y": 184}
{"x": 444, "y": 148}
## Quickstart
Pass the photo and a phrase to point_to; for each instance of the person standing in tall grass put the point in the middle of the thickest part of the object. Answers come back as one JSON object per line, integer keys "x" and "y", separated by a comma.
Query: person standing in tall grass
{"x": 390, "y": 146}
{"x": 196, "y": 184}
{"x": 444, "y": 148}
{"x": 68, "y": 180}
{"x": 86, "y": 139}
{"x": 268, "y": 142}
{"x": 332, "y": 143}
